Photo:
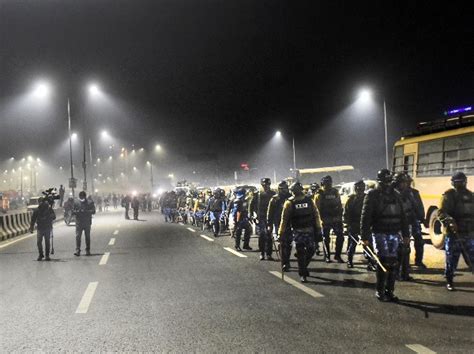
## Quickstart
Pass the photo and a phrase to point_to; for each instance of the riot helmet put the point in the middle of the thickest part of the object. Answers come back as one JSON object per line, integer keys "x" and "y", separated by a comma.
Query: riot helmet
{"x": 326, "y": 181}
{"x": 384, "y": 177}
{"x": 359, "y": 186}
{"x": 459, "y": 180}
{"x": 296, "y": 188}
{"x": 283, "y": 187}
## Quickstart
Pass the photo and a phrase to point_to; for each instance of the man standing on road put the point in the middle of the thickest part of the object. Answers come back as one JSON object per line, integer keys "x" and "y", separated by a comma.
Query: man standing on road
{"x": 384, "y": 220}
{"x": 241, "y": 219}
{"x": 457, "y": 215}
{"x": 43, "y": 216}
{"x": 329, "y": 205}
{"x": 135, "y": 207}
{"x": 275, "y": 208}
{"x": 416, "y": 226}
{"x": 126, "y": 200}
{"x": 352, "y": 213}
{"x": 301, "y": 215}
{"x": 83, "y": 210}
{"x": 61, "y": 195}
{"x": 258, "y": 209}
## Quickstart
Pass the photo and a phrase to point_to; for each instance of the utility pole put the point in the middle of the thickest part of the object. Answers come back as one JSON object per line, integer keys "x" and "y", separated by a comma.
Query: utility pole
{"x": 72, "y": 181}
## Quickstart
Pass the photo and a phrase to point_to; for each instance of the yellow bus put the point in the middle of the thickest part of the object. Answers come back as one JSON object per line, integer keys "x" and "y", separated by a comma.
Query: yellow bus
{"x": 431, "y": 155}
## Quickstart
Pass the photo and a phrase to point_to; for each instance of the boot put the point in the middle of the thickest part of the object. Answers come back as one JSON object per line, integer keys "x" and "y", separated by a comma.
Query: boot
{"x": 390, "y": 287}
{"x": 380, "y": 285}
{"x": 450, "y": 284}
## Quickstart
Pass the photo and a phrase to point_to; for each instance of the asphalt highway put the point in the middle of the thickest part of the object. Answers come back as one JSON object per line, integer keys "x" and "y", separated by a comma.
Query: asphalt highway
{"x": 153, "y": 286}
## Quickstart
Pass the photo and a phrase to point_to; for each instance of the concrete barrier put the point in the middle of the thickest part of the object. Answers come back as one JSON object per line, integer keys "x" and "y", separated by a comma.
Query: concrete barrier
{"x": 16, "y": 224}
{"x": 22, "y": 222}
{"x": 3, "y": 232}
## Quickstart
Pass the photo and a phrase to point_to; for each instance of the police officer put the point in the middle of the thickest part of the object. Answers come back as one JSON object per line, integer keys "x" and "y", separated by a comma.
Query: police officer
{"x": 241, "y": 219}
{"x": 352, "y": 214}
{"x": 329, "y": 205}
{"x": 313, "y": 189}
{"x": 275, "y": 208}
{"x": 419, "y": 218}
{"x": 43, "y": 216}
{"x": 84, "y": 208}
{"x": 384, "y": 220}
{"x": 259, "y": 208}
{"x": 215, "y": 207}
{"x": 401, "y": 183}
{"x": 301, "y": 215}
{"x": 457, "y": 215}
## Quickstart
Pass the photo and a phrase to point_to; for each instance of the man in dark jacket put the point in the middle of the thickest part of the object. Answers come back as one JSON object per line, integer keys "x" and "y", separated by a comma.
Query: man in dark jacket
{"x": 352, "y": 214}
{"x": 43, "y": 216}
{"x": 135, "y": 207}
{"x": 84, "y": 208}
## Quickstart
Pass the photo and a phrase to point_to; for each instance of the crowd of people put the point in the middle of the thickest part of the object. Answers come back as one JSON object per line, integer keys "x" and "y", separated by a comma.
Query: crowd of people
{"x": 382, "y": 220}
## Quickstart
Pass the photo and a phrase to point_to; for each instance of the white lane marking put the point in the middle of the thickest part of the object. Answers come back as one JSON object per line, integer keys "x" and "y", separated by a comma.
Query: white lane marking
{"x": 112, "y": 241}
{"x": 418, "y": 348}
{"x": 207, "y": 238}
{"x": 87, "y": 298}
{"x": 238, "y": 254}
{"x": 116, "y": 232}
{"x": 104, "y": 259}
{"x": 8, "y": 243}
{"x": 181, "y": 223}
{"x": 300, "y": 286}
{"x": 192, "y": 230}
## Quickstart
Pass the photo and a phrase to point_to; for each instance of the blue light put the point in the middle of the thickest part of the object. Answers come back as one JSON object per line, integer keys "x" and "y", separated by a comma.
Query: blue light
{"x": 458, "y": 110}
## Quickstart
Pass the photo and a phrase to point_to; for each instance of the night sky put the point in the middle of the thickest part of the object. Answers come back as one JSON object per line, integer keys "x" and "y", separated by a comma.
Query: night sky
{"x": 219, "y": 77}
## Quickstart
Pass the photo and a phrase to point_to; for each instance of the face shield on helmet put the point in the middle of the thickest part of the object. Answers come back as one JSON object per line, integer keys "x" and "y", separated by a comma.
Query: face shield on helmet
{"x": 283, "y": 188}
{"x": 459, "y": 180}
{"x": 384, "y": 177}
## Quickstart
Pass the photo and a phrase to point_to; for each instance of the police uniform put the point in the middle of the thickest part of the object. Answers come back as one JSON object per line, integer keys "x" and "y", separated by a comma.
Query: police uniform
{"x": 241, "y": 220}
{"x": 329, "y": 205}
{"x": 275, "y": 208}
{"x": 457, "y": 214}
{"x": 352, "y": 214}
{"x": 259, "y": 206}
{"x": 215, "y": 207}
{"x": 384, "y": 220}
{"x": 300, "y": 214}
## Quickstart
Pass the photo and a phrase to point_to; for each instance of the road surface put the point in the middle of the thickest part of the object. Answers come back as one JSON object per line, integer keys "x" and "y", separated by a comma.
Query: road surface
{"x": 152, "y": 286}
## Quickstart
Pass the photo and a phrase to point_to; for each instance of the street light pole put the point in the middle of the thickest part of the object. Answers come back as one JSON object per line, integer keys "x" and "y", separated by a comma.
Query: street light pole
{"x": 92, "y": 164}
{"x": 71, "y": 182}
{"x": 294, "y": 155}
{"x": 386, "y": 133}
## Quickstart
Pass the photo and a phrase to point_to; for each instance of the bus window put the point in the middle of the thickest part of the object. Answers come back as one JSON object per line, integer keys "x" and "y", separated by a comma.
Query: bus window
{"x": 430, "y": 158}
{"x": 408, "y": 164}
{"x": 398, "y": 159}
{"x": 459, "y": 154}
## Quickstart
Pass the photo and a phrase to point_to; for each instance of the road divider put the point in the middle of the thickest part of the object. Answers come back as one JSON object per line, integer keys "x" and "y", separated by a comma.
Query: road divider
{"x": 207, "y": 238}
{"x": 87, "y": 297}
{"x": 418, "y": 348}
{"x": 297, "y": 285}
{"x": 104, "y": 259}
{"x": 238, "y": 254}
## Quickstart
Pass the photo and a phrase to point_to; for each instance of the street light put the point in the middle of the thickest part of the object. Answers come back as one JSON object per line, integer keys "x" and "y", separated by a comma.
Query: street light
{"x": 278, "y": 135}
{"x": 94, "y": 89}
{"x": 41, "y": 89}
{"x": 365, "y": 97}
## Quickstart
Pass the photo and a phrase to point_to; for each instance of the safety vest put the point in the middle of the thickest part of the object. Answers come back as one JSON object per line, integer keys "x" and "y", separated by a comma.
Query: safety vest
{"x": 464, "y": 211}
{"x": 389, "y": 213}
{"x": 302, "y": 215}
{"x": 329, "y": 205}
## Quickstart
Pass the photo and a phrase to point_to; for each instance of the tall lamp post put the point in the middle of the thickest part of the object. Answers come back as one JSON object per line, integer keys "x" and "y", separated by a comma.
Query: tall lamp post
{"x": 365, "y": 96}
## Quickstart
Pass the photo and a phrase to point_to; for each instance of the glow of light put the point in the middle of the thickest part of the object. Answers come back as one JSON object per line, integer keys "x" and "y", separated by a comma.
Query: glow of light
{"x": 134, "y": 193}
{"x": 365, "y": 95}
{"x": 154, "y": 195}
{"x": 94, "y": 89}
{"x": 134, "y": 168}
{"x": 110, "y": 157}
{"x": 142, "y": 149}
{"x": 41, "y": 89}
{"x": 74, "y": 136}
{"x": 104, "y": 134}
{"x": 96, "y": 190}
{"x": 121, "y": 155}
{"x": 98, "y": 160}
{"x": 171, "y": 175}
{"x": 160, "y": 191}
{"x": 278, "y": 134}
{"x": 458, "y": 110}
{"x": 158, "y": 147}
{"x": 148, "y": 162}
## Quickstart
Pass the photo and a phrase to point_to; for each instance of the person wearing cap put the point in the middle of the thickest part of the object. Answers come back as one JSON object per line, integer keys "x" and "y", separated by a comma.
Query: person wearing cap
{"x": 384, "y": 220}
{"x": 275, "y": 208}
{"x": 456, "y": 212}
{"x": 241, "y": 219}
{"x": 301, "y": 216}
{"x": 258, "y": 209}
{"x": 83, "y": 210}
{"x": 351, "y": 216}
{"x": 329, "y": 205}
{"x": 43, "y": 216}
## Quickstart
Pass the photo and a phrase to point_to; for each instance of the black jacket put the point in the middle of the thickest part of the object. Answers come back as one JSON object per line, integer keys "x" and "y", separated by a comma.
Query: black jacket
{"x": 43, "y": 216}
{"x": 84, "y": 211}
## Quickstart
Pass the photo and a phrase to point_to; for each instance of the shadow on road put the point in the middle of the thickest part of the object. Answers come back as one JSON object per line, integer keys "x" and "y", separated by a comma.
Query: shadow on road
{"x": 427, "y": 308}
{"x": 346, "y": 283}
